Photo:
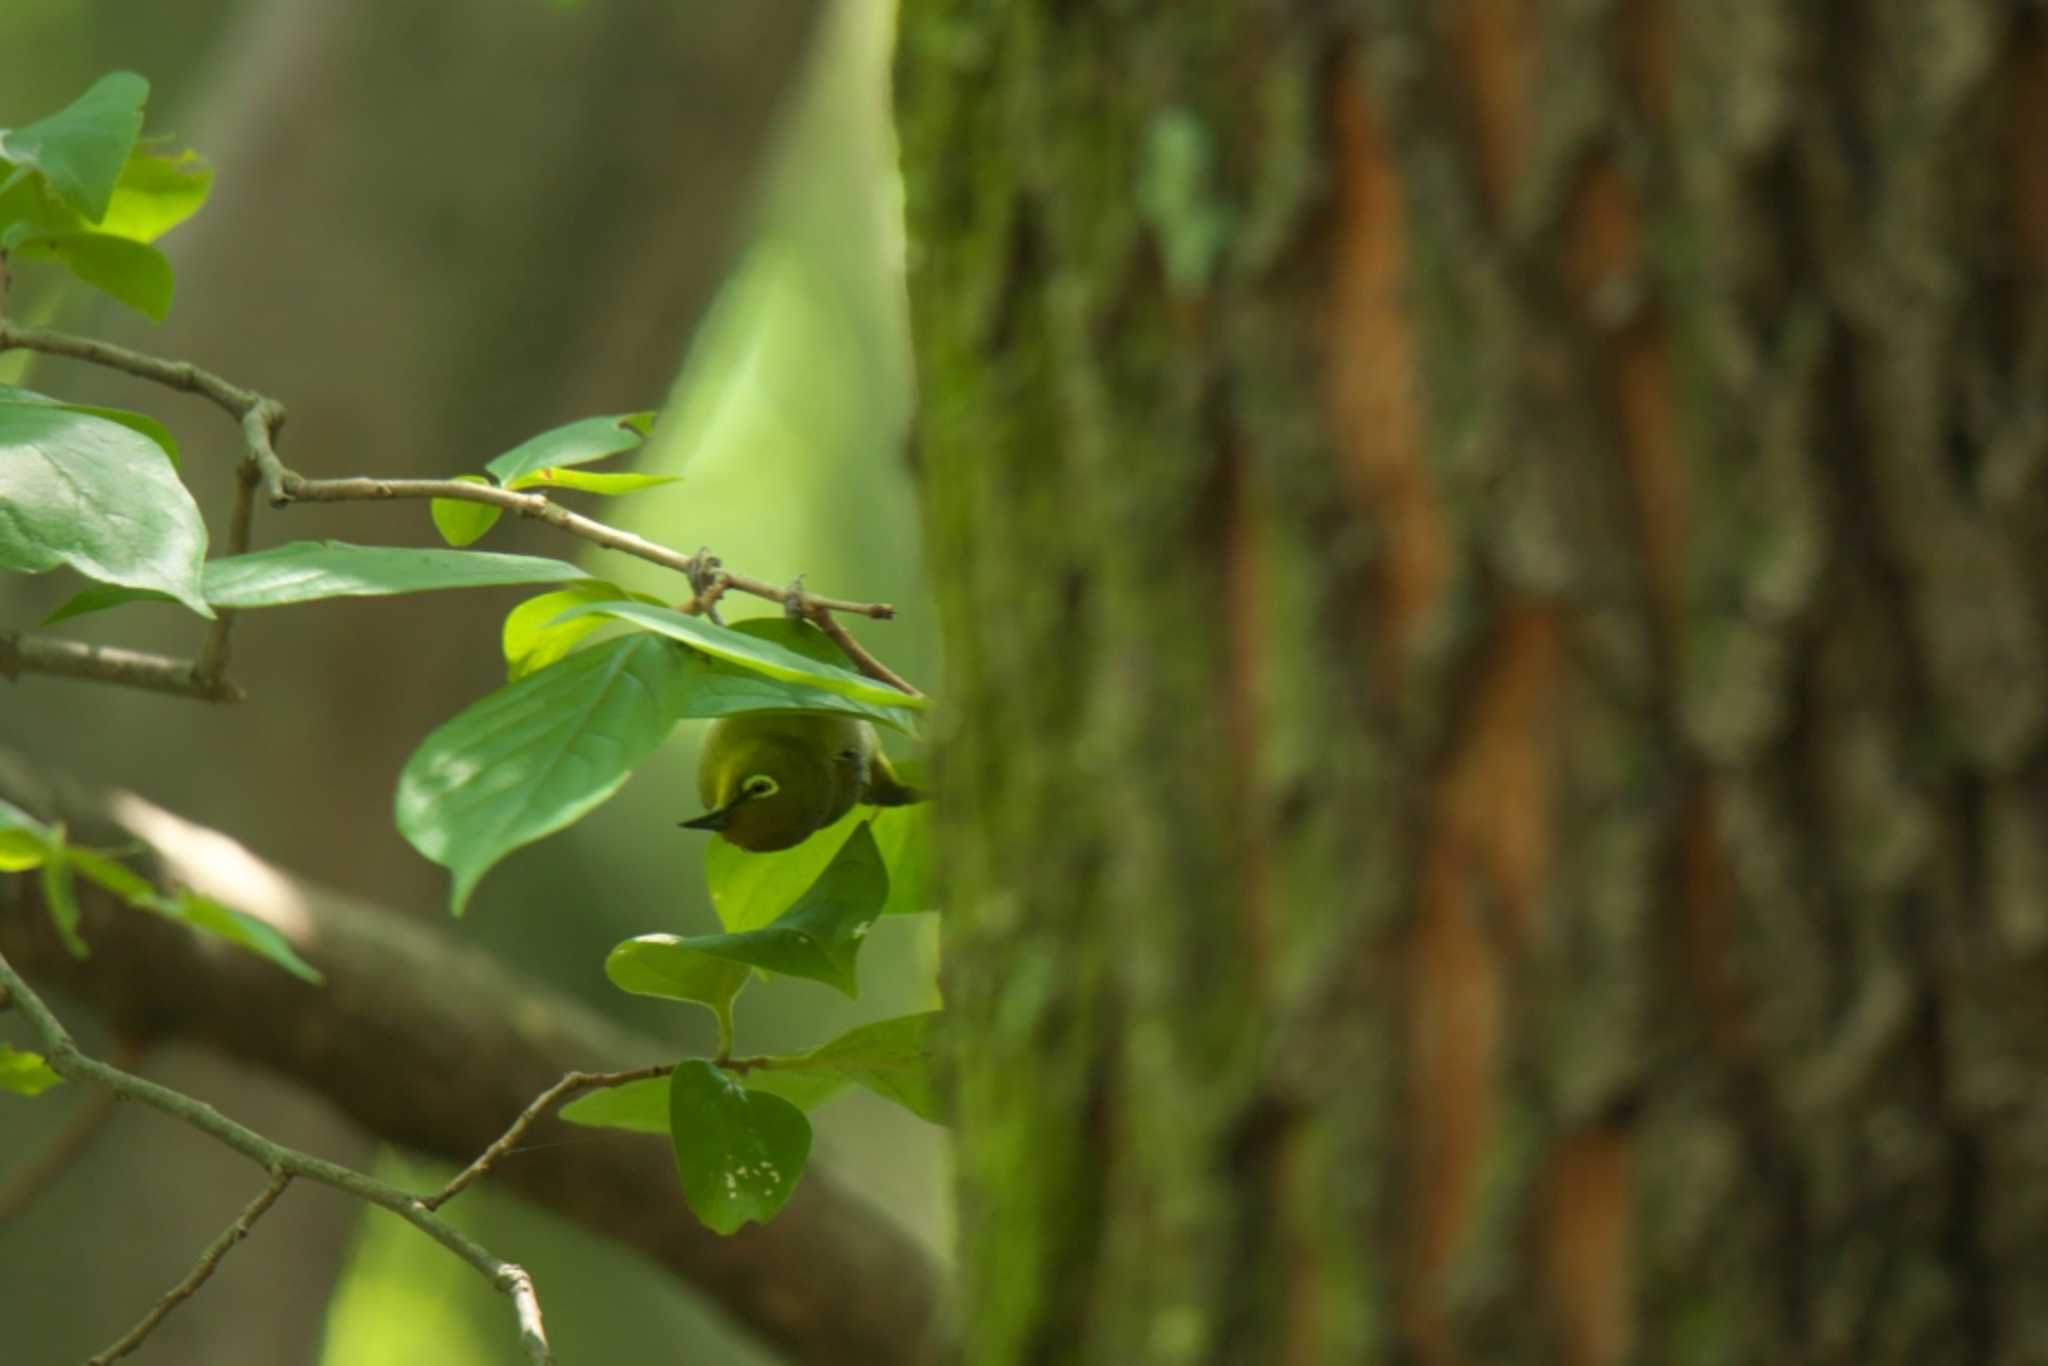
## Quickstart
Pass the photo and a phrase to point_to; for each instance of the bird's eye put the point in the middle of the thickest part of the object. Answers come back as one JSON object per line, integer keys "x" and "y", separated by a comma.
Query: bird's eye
{"x": 760, "y": 785}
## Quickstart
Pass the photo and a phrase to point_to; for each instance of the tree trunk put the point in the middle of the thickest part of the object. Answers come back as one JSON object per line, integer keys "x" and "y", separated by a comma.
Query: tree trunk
{"x": 1497, "y": 802}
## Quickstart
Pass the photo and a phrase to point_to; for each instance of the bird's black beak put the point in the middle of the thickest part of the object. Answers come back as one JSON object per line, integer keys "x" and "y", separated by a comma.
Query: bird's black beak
{"x": 710, "y": 820}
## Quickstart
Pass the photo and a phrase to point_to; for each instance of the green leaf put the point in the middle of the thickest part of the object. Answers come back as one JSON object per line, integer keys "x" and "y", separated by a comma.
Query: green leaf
{"x": 24, "y": 840}
{"x": 805, "y": 1090}
{"x": 751, "y": 890}
{"x": 532, "y": 640}
{"x": 754, "y": 653}
{"x": 113, "y": 875}
{"x": 660, "y": 965}
{"x": 820, "y": 936}
{"x": 798, "y": 637}
{"x": 641, "y": 1106}
{"x": 537, "y": 754}
{"x": 23, "y": 1073}
{"x": 892, "y": 1058}
{"x": 577, "y": 443}
{"x": 60, "y": 893}
{"x": 462, "y": 523}
{"x": 739, "y": 1152}
{"x": 81, "y": 148}
{"x": 188, "y": 907}
{"x": 78, "y": 490}
{"x": 19, "y": 851}
{"x": 133, "y": 272}
{"x": 155, "y": 193}
{"x": 140, "y": 422}
{"x": 260, "y": 937}
{"x": 311, "y": 571}
{"x": 589, "y": 481}
{"x": 307, "y": 571}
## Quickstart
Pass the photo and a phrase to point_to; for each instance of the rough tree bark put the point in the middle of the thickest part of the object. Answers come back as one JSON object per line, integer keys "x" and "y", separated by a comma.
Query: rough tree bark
{"x": 1498, "y": 802}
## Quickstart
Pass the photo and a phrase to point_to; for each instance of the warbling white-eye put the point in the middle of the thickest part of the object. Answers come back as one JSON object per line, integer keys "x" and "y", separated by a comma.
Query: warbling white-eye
{"x": 774, "y": 778}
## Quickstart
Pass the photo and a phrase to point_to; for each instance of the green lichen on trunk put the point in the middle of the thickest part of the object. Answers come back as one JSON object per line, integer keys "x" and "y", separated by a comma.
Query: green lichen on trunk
{"x": 1182, "y": 822}
{"x": 1145, "y": 849}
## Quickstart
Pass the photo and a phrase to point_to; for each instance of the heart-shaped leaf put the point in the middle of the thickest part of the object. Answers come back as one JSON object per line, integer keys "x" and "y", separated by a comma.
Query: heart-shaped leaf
{"x": 739, "y": 1152}
{"x": 820, "y": 936}
{"x": 660, "y": 965}
{"x": 751, "y": 890}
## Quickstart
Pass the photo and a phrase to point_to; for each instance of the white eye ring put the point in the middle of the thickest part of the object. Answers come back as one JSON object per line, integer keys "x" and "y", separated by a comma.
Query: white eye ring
{"x": 760, "y": 785}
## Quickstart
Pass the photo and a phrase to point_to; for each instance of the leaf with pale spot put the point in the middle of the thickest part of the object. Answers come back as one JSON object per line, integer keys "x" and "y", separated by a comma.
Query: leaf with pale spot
{"x": 739, "y": 1152}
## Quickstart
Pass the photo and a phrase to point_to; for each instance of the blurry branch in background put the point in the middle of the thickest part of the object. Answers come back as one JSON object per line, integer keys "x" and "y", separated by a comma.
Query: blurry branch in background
{"x": 261, "y": 418}
{"x": 201, "y": 1270}
{"x": 832, "y": 1281}
{"x": 20, "y": 654}
{"x": 70, "y": 1062}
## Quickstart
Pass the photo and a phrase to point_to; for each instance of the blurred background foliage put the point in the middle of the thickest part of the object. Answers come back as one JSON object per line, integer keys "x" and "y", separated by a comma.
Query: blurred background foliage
{"x": 787, "y": 421}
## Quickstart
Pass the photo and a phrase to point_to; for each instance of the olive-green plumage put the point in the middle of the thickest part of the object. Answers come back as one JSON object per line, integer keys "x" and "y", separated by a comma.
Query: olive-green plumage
{"x": 772, "y": 779}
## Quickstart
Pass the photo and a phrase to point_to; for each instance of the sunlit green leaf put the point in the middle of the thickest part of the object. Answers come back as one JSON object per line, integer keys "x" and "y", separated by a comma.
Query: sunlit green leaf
{"x": 78, "y": 490}
{"x": 750, "y": 890}
{"x": 23, "y": 839}
{"x": 537, "y": 754}
{"x": 156, "y": 192}
{"x": 140, "y": 422}
{"x": 459, "y": 522}
{"x": 310, "y": 571}
{"x": 893, "y": 1058}
{"x": 751, "y": 652}
{"x": 661, "y": 965}
{"x": 25, "y": 1073}
{"x": 577, "y": 443}
{"x": 533, "y": 639}
{"x": 306, "y": 571}
{"x": 820, "y": 936}
{"x": 739, "y": 1152}
{"x": 81, "y": 148}
{"x": 133, "y": 272}
{"x": 590, "y": 481}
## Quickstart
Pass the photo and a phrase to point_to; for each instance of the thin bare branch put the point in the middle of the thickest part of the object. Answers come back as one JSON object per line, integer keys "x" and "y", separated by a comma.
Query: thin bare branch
{"x": 545, "y": 1101}
{"x": 68, "y": 1061}
{"x": 262, "y": 417}
{"x": 20, "y": 654}
{"x": 213, "y": 656}
{"x": 204, "y": 1268}
{"x": 822, "y": 617}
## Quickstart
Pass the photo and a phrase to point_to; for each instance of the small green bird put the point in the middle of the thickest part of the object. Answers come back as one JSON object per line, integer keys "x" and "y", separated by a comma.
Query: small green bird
{"x": 774, "y": 778}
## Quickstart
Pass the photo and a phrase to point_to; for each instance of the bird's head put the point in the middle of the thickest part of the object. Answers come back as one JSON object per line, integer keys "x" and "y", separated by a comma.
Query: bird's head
{"x": 762, "y": 809}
